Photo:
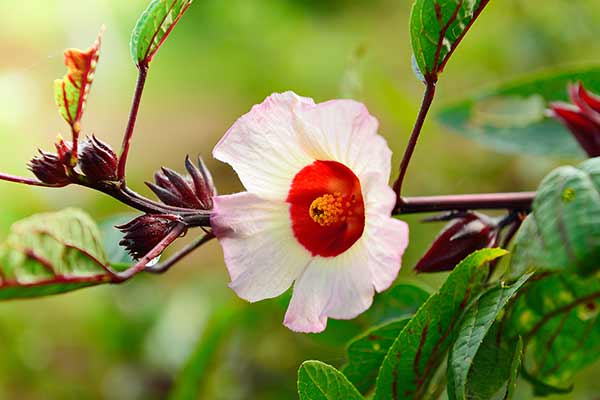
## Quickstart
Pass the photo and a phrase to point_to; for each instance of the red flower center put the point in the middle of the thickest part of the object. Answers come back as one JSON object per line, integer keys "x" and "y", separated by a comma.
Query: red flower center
{"x": 327, "y": 208}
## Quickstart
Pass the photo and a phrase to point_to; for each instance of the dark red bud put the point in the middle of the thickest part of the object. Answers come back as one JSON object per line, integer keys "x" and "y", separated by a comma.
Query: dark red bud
{"x": 194, "y": 191}
{"x": 144, "y": 233}
{"x": 463, "y": 235}
{"x": 582, "y": 118}
{"x": 97, "y": 160}
{"x": 49, "y": 168}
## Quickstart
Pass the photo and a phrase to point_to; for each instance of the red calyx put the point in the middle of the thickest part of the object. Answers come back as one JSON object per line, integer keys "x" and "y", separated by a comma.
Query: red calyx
{"x": 464, "y": 234}
{"x": 49, "y": 168}
{"x": 195, "y": 191}
{"x": 143, "y": 233}
{"x": 97, "y": 160}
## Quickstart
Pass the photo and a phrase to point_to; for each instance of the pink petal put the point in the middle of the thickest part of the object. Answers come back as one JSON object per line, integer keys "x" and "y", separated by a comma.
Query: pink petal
{"x": 262, "y": 256}
{"x": 337, "y": 287}
{"x": 343, "y": 130}
{"x": 262, "y": 146}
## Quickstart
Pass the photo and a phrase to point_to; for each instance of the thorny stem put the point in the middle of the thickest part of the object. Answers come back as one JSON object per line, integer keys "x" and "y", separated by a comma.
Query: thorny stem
{"x": 151, "y": 255}
{"x": 135, "y": 105}
{"x": 175, "y": 258}
{"x": 414, "y": 136}
{"x": 489, "y": 201}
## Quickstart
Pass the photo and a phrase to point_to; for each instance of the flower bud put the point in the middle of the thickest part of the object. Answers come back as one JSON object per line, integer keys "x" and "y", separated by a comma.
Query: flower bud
{"x": 49, "y": 168}
{"x": 144, "y": 233}
{"x": 463, "y": 235}
{"x": 97, "y": 160}
{"x": 194, "y": 191}
{"x": 582, "y": 118}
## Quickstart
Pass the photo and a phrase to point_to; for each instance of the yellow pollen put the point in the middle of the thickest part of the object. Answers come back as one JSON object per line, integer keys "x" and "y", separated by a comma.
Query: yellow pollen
{"x": 328, "y": 209}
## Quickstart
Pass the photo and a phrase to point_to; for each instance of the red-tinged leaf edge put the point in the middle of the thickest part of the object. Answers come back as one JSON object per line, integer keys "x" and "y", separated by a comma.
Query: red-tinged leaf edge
{"x": 144, "y": 59}
{"x": 72, "y": 90}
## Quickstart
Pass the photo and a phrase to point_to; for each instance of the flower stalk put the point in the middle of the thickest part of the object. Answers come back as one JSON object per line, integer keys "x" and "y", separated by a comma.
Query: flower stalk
{"x": 414, "y": 137}
{"x": 135, "y": 106}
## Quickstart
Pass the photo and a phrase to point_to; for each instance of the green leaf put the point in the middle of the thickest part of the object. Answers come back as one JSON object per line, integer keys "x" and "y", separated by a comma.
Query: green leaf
{"x": 493, "y": 367}
{"x": 557, "y": 316}
{"x": 421, "y": 346}
{"x": 51, "y": 253}
{"x": 436, "y": 29}
{"x": 153, "y": 28}
{"x": 473, "y": 329}
{"x": 319, "y": 381}
{"x": 563, "y": 231}
{"x": 515, "y": 367}
{"x": 511, "y": 117}
{"x": 389, "y": 311}
{"x": 366, "y": 353}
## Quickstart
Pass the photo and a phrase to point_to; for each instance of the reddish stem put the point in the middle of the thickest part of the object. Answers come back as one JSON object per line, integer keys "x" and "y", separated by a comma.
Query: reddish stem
{"x": 25, "y": 181}
{"x": 135, "y": 106}
{"x": 490, "y": 201}
{"x": 412, "y": 142}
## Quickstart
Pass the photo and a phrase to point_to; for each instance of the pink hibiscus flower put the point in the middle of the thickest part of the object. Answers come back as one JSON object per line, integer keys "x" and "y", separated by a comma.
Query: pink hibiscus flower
{"x": 317, "y": 210}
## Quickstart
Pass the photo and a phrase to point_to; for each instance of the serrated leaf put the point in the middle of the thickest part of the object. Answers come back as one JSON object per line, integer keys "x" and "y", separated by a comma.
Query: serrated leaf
{"x": 512, "y": 117}
{"x": 421, "y": 346}
{"x": 563, "y": 230}
{"x": 493, "y": 367}
{"x": 474, "y": 327}
{"x": 154, "y": 26}
{"x": 70, "y": 92}
{"x": 557, "y": 316}
{"x": 389, "y": 313}
{"x": 436, "y": 29}
{"x": 515, "y": 367}
{"x": 51, "y": 253}
{"x": 319, "y": 381}
{"x": 366, "y": 353}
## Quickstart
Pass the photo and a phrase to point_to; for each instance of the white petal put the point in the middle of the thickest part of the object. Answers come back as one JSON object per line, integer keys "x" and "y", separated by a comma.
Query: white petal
{"x": 344, "y": 131}
{"x": 337, "y": 287}
{"x": 262, "y": 256}
{"x": 386, "y": 239}
{"x": 262, "y": 146}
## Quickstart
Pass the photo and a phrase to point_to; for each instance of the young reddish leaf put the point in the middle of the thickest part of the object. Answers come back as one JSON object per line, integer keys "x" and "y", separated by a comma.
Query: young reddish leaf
{"x": 70, "y": 92}
{"x": 153, "y": 28}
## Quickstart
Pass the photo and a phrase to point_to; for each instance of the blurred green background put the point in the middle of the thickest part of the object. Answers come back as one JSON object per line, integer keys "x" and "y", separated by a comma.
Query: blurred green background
{"x": 133, "y": 341}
